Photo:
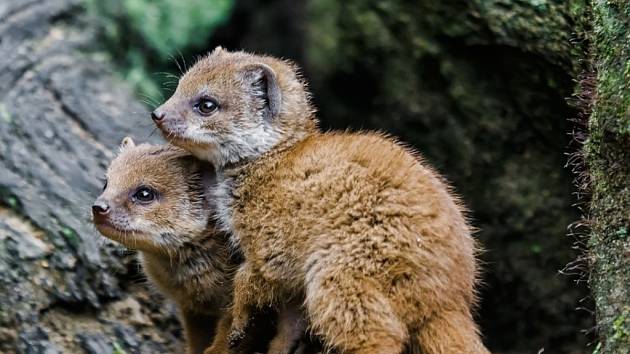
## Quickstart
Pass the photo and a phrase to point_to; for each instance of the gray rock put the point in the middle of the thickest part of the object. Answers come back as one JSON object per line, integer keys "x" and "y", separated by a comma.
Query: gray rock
{"x": 94, "y": 343}
{"x": 36, "y": 341}
{"x": 62, "y": 115}
{"x": 127, "y": 337}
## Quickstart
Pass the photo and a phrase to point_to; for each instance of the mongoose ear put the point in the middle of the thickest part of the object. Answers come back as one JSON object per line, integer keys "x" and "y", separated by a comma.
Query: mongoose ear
{"x": 127, "y": 142}
{"x": 264, "y": 84}
{"x": 217, "y": 50}
{"x": 204, "y": 173}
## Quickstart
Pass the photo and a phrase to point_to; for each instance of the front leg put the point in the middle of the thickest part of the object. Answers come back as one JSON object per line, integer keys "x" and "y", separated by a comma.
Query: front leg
{"x": 198, "y": 330}
{"x": 220, "y": 342}
{"x": 251, "y": 292}
{"x": 290, "y": 329}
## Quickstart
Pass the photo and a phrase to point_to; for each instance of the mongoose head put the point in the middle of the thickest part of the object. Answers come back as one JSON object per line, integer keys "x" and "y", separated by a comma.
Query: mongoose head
{"x": 153, "y": 198}
{"x": 232, "y": 106}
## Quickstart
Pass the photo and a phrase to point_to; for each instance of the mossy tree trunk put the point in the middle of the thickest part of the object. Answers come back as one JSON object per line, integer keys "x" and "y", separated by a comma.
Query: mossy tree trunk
{"x": 607, "y": 153}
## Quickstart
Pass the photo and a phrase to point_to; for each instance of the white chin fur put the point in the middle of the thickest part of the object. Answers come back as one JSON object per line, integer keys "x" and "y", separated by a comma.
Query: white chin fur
{"x": 240, "y": 144}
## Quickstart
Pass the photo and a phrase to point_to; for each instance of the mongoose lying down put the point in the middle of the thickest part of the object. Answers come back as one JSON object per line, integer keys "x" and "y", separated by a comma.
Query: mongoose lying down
{"x": 155, "y": 200}
{"x": 356, "y": 226}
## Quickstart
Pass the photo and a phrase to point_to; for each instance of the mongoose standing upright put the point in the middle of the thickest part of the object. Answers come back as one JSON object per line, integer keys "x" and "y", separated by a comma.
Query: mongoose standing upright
{"x": 357, "y": 226}
{"x": 155, "y": 201}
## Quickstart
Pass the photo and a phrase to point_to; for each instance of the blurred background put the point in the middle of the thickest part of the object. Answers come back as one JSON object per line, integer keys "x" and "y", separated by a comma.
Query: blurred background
{"x": 481, "y": 88}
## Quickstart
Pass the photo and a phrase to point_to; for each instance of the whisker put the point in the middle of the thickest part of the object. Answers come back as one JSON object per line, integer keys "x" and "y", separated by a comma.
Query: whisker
{"x": 167, "y": 74}
{"x": 171, "y": 57}
{"x": 183, "y": 59}
{"x": 152, "y": 132}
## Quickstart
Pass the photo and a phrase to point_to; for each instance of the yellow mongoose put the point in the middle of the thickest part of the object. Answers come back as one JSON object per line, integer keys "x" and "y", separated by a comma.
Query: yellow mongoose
{"x": 356, "y": 226}
{"x": 155, "y": 201}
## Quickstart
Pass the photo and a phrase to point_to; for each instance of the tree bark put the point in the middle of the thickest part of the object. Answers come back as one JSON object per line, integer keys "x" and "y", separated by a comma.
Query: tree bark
{"x": 64, "y": 289}
{"x": 607, "y": 154}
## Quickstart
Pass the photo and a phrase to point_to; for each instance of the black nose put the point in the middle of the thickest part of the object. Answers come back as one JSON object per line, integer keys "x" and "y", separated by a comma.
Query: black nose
{"x": 100, "y": 208}
{"x": 157, "y": 116}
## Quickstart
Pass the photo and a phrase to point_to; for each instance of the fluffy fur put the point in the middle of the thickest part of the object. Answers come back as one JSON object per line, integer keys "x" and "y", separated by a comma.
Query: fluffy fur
{"x": 180, "y": 251}
{"x": 357, "y": 227}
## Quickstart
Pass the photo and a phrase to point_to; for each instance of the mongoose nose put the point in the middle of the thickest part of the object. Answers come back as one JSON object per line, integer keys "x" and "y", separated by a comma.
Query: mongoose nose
{"x": 157, "y": 116}
{"x": 100, "y": 208}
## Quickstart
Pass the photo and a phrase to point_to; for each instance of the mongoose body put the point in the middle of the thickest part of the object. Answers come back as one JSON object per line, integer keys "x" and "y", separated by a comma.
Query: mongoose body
{"x": 154, "y": 201}
{"x": 356, "y": 226}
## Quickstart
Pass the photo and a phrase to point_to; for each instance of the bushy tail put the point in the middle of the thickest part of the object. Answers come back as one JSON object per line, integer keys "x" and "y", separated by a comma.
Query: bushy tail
{"x": 448, "y": 333}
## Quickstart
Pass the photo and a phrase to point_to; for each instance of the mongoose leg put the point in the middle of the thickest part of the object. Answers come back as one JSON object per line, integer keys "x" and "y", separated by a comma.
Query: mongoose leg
{"x": 250, "y": 291}
{"x": 220, "y": 343}
{"x": 351, "y": 314}
{"x": 198, "y": 329}
{"x": 451, "y": 332}
{"x": 291, "y": 328}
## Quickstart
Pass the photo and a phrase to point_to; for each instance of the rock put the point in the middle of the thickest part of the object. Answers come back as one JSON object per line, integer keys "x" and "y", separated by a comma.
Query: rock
{"x": 130, "y": 309}
{"x": 62, "y": 116}
{"x": 94, "y": 343}
{"x": 36, "y": 341}
{"x": 127, "y": 337}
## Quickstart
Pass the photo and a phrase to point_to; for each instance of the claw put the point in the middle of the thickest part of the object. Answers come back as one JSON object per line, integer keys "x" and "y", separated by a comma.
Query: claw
{"x": 235, "y": 338}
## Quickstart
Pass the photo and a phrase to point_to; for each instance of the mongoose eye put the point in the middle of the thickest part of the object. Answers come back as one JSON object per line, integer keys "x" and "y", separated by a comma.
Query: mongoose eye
{"x": 206, "y": 106}
{"x": 105, "y": 185}
{"x": 144, "y": 195}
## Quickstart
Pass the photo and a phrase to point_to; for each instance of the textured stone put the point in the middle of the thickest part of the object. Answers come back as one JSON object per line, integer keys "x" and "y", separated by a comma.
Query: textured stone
{"x": 62, "y": 114}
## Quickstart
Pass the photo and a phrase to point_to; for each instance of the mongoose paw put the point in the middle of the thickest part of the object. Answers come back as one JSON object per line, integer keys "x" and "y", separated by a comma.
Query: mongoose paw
{"x": 235, "y": 338}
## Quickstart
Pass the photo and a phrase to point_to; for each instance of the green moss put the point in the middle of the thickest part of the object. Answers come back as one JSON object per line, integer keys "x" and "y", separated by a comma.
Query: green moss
{"x": 71, "y": 236}
{"x": 118, "y": 349}
{"x": 148, "y": 36}
{"x": 621, "y": 325}
{"x": 608, "y": 159}
{"x": 10, "y": 200}
{"x": 540, "y": 26}
{"x": 4, "y": 114}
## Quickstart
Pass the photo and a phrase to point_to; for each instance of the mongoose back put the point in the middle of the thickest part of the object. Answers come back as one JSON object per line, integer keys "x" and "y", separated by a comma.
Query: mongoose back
{"x": 356, "y": 226}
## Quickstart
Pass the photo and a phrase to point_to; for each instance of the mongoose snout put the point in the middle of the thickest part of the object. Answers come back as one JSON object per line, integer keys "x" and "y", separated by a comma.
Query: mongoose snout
{"x": 169, "y": 121}
{"x": 111, "y": 221}
{"x": 157, "y": 116}
{"x": 99, "y": 211}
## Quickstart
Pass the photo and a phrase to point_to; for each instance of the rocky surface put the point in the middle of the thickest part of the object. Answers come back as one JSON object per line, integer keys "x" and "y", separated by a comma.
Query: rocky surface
{"x": 63, "y": 288}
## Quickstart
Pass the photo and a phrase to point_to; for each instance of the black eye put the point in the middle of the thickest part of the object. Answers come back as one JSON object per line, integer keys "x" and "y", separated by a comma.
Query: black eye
{"x": 144, "y": 195}
{"x": 206, "y": 106}
{"x": 105, "y": 185}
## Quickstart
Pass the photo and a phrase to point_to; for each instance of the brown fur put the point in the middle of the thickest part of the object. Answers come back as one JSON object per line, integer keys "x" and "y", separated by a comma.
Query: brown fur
{"x": 360, "y": 229}
{"x": 181, "y": 253}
